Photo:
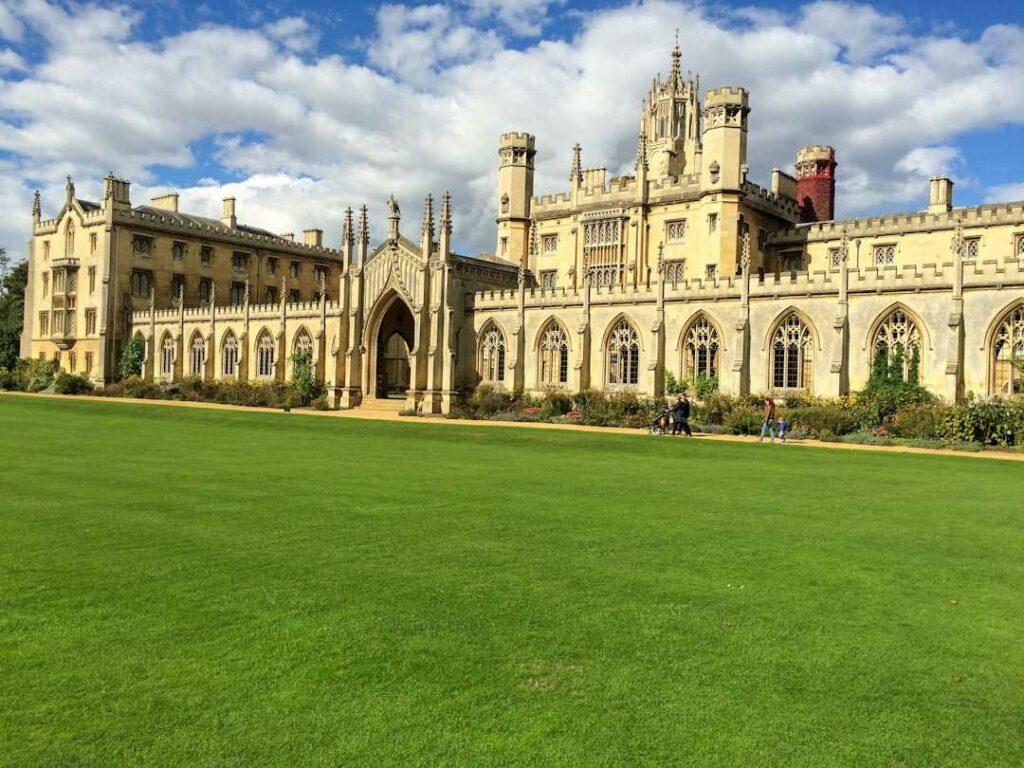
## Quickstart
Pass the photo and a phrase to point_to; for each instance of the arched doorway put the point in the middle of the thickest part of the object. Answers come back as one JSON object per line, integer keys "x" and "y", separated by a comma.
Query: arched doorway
{"x": 394, "y": 341}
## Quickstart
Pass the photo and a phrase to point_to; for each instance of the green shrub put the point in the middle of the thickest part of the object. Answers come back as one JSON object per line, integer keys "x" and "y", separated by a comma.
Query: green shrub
{"x": 992, "y": 422}
{"x": 705, "y": 386}
{"x": 831, "y": 419}
{"x": 743, "y": 421}
{"x": 132, "y": 357}
{"x": 557, "y": 402}
{"x": 714, "y": 408}
{"x": 673, "y": 386}
{"x": 304, "y": 378}
{"x": 71, "y": 384}
{"x": 920, "y": 422}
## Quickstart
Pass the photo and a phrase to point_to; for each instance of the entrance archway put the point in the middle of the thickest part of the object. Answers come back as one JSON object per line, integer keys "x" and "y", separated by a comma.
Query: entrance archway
{"x": 394, "y": 339}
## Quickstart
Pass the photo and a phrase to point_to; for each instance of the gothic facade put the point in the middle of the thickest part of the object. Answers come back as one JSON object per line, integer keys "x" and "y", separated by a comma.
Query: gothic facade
{"x": 686, "y": 266}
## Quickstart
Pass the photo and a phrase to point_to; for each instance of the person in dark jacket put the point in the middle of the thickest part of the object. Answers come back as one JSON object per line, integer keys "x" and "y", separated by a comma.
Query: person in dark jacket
{"x": 681, "y": 416}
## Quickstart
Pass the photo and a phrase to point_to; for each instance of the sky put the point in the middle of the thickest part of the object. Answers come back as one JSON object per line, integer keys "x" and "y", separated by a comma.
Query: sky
{"x": 300, "y": 108}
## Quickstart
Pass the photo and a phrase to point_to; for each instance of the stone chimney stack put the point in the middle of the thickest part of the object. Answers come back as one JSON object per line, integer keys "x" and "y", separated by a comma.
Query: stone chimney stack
{"x": 816, "y": 182}
{"x": 227, "y": 213}
{"x": 165, "y": 202}
{"x": 313, "y": 237}
{"x": 940, "y": 197}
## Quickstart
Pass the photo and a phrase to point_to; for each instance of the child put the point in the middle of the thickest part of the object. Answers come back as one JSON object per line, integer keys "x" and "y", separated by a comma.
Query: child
{"x": 783, "y": 426}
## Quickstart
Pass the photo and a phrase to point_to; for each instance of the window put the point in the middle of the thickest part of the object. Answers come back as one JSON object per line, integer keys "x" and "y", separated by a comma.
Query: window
{"x": 58, "y": 322}
{"x": 198, "y": 356}
{"x": 603, "y": 250}
{"x": 1019, "y": 250}
{"x": 72, "y": 361}
{"x": 548, "y": 244}
{"x": 142, "y": 245}
{"x": 92, "y": 280}
{"x": 712, "y": 223}
{"x": 554, "y": 355}
{"x": 178, "y": 250}
{"x": 792, "y": 351}
{"x": 229, "y": 355}
{"x": 69, "y": 242}
{"x": 46, "y": 283}
{"x": 548, "y": 279}
{"x": 302, "y": 347}
{"x": 492, "y": 354}
{"x": 835, "y": 259}
{"x": 897, "y": 344}
{"x": 178, "y": 287}
{"x": 238, "y": 294}
{"x": 44, "y": 323}
{"x": 320, "y": 273}
{"x": 675, "y": 271}
{"x": 504, "y": 246}
{"x": 205, "y": 256}
{"x": 239, "y": 261}
{"x": 142, "y": 283}
{"x": 90, "y": 322}
{"x": 88, "y": 362}
{"x": 46, "y": 249}
{"x": 792, "y": 262}
{"x": 270, "y": 297}
{"x": 676, "y": 231}
{"x": 971, "y": 246}
{"x": 204, "y": 290}
{"x": 711, "y": 271}
{"x": 167, "y": 355}
{"x": 271, "y": 265}
{"x": 885, "y": 255}
{"x": 294, "y": 296}
{"x": 92, "y": 249}
{"x": 295, "y": 266}
{"x": 623, "y": 355}
{"x": 700, "y": 348}
{"x": 265, "y": 356}
{"x": 1008, "y": 354}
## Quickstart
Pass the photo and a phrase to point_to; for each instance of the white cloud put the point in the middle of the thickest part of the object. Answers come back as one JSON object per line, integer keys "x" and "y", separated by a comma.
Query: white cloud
{"x": 523, "y": 17}
{"x": 11, "y": 27}
{"x": 309, "y": 134}
{"x": 10, "y": 61}
{"x": 1003, "y": 192}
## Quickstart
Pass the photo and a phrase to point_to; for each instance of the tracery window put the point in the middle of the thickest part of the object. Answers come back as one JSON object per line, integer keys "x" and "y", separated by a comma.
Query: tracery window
{"x": 711, "y": 271}
{"x": 554, "y": 355}
{"x": 198, "y": 356}
{"x": 623, "y": 355}
{"x": 701, "y": 350}
{"x": 971, "y": 247}
{"x": 229, "y": 355}
{"x": 885, "y": 255}
{"x": 167, "y": 357}
{"x": 492, "y": 355}
{"x": 792, "y": 262}
{"x": 676, "y": 231}
{"x": 603, "y": 250}
{"x": 675, "y": 271}
{"x": 265, "y": 356}
{"x": 835, "y": 259}
{"x": 792, "y": 354}
{"x": 549, "y": 279}
{"x": 69, "y": 245}
{"x": 1019, "y": 250}
{"x": 1008, "y": 355}
{"x": 898, "y": 339}
{"x": 549, "y": 244}
{"x": 303, "y": 344}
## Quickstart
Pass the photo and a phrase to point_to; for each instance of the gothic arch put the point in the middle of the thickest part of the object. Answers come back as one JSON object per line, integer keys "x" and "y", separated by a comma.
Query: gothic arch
{"x": 622, "y": 348}
{"x": 614, "y": 323}
{"x": 706, "y": 346}
{"x": 539, "y": 338}
{"x": 492, "y": 348}
{"x": 264, "y": 353}
{"x": 379, "y": 311}
{"x": 790, "y": 347}
{"x": 1004, "y": 348}
{"x": 230, "y": 353}
{"x": 198, "y": 353}
{"x": 898, "y": 306}
{"x": 553, "y": 347}
{"x": 167, "y": 355}
{"x": 781, "y": 317}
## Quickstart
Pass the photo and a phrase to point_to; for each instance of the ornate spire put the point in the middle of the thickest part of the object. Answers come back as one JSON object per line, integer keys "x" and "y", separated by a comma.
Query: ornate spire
{"x": 576, "y": 169}
{"x": 641, "y": 151}
{"x": 37, "y": 205}
{"x": 957, "y": 244}
{"x": 428, "y": 218}
{"x": 446, "y": 213}
{"x": 347, "y": 237}
{"x": 534, "y": 249}
{"x": 364, "y": 226}
{"x": 677, "y": 55}
{"x": 745, "y": 258}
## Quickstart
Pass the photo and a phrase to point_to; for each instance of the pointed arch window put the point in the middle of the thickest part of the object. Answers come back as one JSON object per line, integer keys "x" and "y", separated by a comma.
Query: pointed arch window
{"x": 792, "y": 354}
{"x": 265, "y": 356}
{"x": 700, "y": 348}
{"x": 1008, "y": 355}
{"x": 303, "y": 343}
{"x": 554, "y": 355}
{"x": 623, "y": 355}
{"x": 229, "y": 356}
{"x": 492, "y": 355}
{"x": 198, "y": 355}
{"x": 898, "y": 342}
{"x": 69, "y": 243}
{"x": 167, "y": 355}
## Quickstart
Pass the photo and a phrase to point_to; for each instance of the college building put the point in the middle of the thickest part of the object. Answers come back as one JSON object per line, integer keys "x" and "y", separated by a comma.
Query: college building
{"x": 686, "y": 267}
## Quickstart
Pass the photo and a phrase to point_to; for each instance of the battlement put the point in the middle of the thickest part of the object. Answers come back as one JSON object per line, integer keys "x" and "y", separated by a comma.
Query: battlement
{"x": 815, "y": 152}
{"x": 729, "y": 94}
{"x": 518, "y": 139}
{"x": 773, "y": 202}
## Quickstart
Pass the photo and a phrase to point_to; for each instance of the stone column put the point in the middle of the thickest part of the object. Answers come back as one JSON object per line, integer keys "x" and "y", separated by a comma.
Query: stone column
{"x": 839, "y": 368}
{"x": 741, "y": 337}
{"x": 955, "y": 335}
{"x": 352, "y": 393}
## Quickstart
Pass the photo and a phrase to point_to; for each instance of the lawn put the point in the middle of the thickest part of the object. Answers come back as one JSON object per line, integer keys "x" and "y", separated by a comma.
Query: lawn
{"x": 195, "y": 587}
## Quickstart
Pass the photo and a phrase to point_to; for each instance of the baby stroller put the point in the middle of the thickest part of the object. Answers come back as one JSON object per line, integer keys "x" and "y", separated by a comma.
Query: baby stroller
{"x": 659, "y": 426}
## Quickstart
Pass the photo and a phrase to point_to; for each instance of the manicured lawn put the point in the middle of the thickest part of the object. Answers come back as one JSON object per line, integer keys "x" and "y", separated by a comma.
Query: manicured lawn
{"x": 185, "y": 587}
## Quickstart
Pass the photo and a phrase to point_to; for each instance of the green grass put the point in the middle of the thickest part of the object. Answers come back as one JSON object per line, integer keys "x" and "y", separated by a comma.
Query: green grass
{"x": 193, "y": 587}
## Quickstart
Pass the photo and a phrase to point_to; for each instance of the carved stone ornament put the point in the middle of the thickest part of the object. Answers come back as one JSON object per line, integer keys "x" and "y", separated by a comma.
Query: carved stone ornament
{"x": 715, "y": 169}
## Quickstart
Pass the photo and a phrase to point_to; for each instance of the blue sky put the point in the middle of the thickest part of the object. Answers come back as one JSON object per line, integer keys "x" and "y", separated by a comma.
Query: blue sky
{"x": 301, "y": 108}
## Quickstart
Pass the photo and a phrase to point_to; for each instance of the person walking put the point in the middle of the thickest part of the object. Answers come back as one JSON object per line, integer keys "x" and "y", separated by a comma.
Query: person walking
{"x": 768, "y": 422}
{"x": 681, "y": 416}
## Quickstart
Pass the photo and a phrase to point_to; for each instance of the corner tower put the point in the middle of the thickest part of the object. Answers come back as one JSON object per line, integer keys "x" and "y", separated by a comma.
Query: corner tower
{"x": 515, "y": 191}
{"x": 816, "y": 182}
{"x": 670, "y": 121}
{"x": 725, "y": 138}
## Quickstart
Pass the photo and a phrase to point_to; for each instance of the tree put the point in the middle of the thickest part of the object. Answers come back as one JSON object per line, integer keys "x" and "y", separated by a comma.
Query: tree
{"x": 12, "y": 308}
{"x": 132, "y": 357}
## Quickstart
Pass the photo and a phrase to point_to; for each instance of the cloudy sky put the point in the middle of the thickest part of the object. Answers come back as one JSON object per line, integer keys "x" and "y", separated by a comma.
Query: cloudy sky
{"x": 299, "y": 108}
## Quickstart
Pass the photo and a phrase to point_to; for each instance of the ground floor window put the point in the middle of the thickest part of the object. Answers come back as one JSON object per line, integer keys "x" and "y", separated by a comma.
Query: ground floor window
{"x": 792, "y": 354}
{"x": 554, "y": 355}
{"x": 1008, "y": 354}
{"x": 229, "y": 356}
{"x": 623, "y": 355}
{"x": 700, "y": 348}
{"x": 492, "y": 355}
{"x": 265, "y": 356}
{"x": 198, "y": 355}
{"x": 897, "y": 344}
{"x": 167, "y": 357}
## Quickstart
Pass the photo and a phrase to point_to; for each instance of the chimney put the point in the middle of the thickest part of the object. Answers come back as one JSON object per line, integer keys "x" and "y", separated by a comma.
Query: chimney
{"x": 227, "y": 213}
{"x": 816, "y": 182}
{"x": 313, "y": 237}
{"x": 783, "y": 185}
{"x": 117, "y": 191}
{"x": 940, "y": 198}
{"x": 165, "y": 202}
{"x": 287, "y": 236}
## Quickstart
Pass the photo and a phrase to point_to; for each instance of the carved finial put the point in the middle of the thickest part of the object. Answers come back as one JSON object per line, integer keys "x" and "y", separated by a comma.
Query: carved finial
{"x": 661, "y": 259}
{"x": 745, "y": 258}
{"x": 676, "y": 56}
{"x": 844, "y": 248}
{"x": 245, "y": 296}
{"x": 347, "y": 236}
{"x": 641, "y": 150}
{"x": 428, "y": 218}
{"x": 69, "y": 189}
{"x": 521, "y": 277}
{"x": 534, "y": 249}
{"x": 364, "y": 226}
{"x": 37, "y": 205}
{"x": 396, "y": 212}
{"x": 576, "y": 169}
{"x": 446, "y": 213}
{"x": 957, "y": 244}
{"x": 394, "y": 217}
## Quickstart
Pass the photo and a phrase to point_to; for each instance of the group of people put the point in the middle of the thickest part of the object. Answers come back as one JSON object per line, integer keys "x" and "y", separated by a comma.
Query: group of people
{"x": 678, "y": 419}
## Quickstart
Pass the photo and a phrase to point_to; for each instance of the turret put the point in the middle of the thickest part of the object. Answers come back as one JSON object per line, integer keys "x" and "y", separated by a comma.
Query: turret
{"x": 515, "y": 191}
{"x": 725, "y": 138}
{"x": 427, "y": 234}
{"x": 669, "y": 120}
{"x": 816, "y": 182}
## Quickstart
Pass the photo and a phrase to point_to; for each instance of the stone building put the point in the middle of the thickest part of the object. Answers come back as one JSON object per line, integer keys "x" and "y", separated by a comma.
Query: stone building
{"x": 687, "y": 266}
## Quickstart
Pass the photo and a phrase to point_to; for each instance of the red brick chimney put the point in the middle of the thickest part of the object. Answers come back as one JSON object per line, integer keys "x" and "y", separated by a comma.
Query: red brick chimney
{"x": 816, "y": 183}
